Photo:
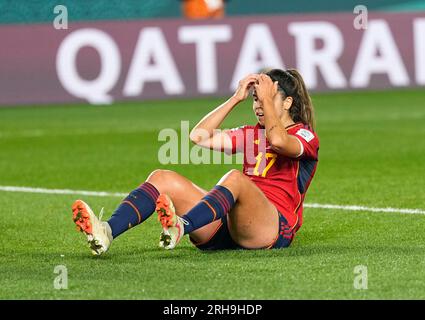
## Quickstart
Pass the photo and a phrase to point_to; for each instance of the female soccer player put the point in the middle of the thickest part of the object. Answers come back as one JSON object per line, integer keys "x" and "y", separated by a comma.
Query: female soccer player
{"x": 258, "y": 208}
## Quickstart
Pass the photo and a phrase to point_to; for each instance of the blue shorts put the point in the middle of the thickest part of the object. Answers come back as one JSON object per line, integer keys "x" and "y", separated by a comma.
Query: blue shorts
{"x": 221, "y": 240}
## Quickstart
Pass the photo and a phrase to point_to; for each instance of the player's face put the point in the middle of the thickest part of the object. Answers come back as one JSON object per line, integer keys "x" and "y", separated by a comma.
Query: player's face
{"x": 258, "y": 107}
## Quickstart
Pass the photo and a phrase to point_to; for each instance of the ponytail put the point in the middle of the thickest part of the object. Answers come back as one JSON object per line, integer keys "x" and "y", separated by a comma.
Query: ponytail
{"x": 292, "y": 85}
{"x": 306, "y": 109}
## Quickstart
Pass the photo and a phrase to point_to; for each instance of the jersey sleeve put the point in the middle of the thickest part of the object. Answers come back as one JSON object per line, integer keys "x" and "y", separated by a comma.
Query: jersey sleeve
{"x": 309, "y": 142}
{"x": 237, "y": 136}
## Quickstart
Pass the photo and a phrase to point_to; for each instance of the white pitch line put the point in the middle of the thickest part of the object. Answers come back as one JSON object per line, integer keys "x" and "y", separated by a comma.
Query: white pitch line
{"x": 62, "y": 191}
{"x": 121, "y": 195}
{"x": 363, "y": 208}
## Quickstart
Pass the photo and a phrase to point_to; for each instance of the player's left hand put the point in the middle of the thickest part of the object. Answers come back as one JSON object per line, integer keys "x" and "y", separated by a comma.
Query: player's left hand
{"x": 265, "y": 88}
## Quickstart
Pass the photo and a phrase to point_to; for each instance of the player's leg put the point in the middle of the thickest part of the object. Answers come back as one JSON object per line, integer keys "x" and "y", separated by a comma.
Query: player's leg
{"x": 184, "y": 195}
{"x": 254, "y": 221}
{"x": 137, "y": 207}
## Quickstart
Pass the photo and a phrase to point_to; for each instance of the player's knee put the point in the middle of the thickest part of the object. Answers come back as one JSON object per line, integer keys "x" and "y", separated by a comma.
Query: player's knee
{"x": 233, "y": 177}
{"x": 235, "y": 174}
{"x": 160, "y": 175}
{"x": 164, "y": 180}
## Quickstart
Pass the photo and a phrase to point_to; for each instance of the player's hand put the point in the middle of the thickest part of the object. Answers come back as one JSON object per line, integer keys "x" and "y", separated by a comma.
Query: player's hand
{"x": 244, "y": 86}
{"x": 265, "y": 87}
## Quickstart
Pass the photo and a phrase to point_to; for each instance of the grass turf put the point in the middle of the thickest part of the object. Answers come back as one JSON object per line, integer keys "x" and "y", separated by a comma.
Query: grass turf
{"x": 371, "y": 154}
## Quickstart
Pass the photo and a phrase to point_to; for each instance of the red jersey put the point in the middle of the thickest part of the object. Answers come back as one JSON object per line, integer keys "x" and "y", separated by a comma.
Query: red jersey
{"x": 283, "y": 180}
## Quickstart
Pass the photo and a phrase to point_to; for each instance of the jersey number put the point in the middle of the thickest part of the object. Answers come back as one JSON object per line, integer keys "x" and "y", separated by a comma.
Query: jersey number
{"x": 259, "y": 159}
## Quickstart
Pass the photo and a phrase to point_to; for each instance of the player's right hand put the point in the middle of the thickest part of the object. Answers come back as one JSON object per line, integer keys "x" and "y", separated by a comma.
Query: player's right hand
{"x": 244, "y": 86}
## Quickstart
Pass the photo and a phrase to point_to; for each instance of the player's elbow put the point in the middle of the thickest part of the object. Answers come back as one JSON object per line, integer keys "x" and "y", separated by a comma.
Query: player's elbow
{"x": 199, "y": 136}
{"x": 195, "y": 137}
{"x": 276, "y": 143}
{"x": 280, "y": 145}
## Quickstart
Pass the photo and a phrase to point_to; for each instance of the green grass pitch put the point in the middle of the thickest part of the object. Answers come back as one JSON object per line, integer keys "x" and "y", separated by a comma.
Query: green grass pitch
{"x": 372, "y": 154}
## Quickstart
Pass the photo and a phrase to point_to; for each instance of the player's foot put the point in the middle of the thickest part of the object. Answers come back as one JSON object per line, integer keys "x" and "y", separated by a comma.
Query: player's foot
{"x": 172, "y": 224}
{"x": 99, "y": 234}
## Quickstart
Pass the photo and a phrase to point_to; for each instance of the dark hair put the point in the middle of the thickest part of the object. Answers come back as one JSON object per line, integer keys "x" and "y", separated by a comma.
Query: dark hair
{"x": 291, "y": 84}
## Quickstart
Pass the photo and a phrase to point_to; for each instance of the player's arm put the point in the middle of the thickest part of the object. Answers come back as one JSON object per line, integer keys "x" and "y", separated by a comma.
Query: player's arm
{"x": 279, "y": 140}
{"x": 205, "y": 134}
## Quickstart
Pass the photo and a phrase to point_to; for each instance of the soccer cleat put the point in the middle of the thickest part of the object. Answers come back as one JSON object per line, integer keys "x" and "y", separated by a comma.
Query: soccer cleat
{"x": 172, "y": 224}
{"x": 99, "y": 234}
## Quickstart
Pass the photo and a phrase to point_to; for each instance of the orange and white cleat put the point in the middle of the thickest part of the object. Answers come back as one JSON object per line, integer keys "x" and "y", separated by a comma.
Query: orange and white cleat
{"x": 172, "y": 224}
{"x": 99, "y": 233}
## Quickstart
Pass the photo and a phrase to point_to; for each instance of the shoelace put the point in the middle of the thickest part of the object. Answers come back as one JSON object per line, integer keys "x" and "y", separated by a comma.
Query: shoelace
{"x": 185, "y": 222}
{"x": 101, "y": 214}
